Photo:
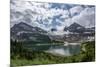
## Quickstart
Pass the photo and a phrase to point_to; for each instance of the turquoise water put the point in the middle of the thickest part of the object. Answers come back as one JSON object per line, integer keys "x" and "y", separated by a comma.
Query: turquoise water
{"x": 57, "y": 49}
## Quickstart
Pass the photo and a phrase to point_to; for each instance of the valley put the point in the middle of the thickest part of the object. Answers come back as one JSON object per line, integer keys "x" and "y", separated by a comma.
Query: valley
{"x": 35, "y": 44}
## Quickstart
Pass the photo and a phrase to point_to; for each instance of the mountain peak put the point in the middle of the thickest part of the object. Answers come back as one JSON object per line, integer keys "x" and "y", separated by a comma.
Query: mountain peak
{"x": 24, "y": 32}
{"x": 76, "y": 24}
{"x": 75, "y": 27}
{"x": 22, "y": 24}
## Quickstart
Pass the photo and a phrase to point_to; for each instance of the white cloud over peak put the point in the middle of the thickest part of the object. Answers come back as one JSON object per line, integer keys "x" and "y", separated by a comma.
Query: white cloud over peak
{"x": 44, "y": 16}
{"x": 86, "y": 17}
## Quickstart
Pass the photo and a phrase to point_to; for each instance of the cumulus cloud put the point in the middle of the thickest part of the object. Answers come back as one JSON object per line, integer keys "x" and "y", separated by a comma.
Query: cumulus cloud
{"x": 76, "y": 10}
{"x": 49, "y": 15}
{"x": 86, "y": 17}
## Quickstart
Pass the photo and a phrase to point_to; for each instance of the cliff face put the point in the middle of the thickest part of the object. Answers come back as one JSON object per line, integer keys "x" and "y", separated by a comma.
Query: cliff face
{"x": 25, "y": 32}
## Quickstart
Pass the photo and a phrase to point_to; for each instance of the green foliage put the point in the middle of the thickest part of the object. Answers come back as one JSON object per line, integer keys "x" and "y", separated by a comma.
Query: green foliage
{"x": 55, "y": 41}
{"x": 22, "y": 56}
{"x": 89, "y": 54}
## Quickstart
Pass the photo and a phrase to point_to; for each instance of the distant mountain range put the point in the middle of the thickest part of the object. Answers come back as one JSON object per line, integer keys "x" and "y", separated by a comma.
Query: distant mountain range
{"x": 77, "y": 28}
{"x": 25, "y": 32}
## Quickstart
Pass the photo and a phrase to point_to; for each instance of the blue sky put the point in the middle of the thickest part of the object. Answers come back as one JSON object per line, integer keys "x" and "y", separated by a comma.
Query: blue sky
{"x": 51, "y": 15}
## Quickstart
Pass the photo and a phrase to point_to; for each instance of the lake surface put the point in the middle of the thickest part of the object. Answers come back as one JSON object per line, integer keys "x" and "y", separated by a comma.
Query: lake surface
{"x": 66, "y": 49}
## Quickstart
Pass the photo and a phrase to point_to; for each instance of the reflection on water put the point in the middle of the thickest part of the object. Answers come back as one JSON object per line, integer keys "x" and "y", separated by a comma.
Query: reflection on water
{"x": 68, "y": 50}
{"x": 59, "y": 51}
{"x": 65, "y": 50}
